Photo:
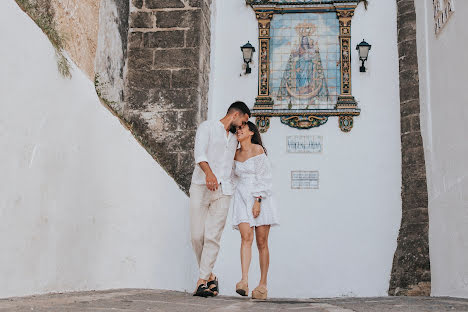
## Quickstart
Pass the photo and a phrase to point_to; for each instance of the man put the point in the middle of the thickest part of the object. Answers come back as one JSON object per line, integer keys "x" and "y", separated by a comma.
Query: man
{"x": 211, "y": 190}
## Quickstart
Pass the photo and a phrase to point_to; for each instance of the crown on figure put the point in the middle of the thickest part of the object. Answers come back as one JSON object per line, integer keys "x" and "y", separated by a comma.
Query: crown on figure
{"x": 305, "y": 29}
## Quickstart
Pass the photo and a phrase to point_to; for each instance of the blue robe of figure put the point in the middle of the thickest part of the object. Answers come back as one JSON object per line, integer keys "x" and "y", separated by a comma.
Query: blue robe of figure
{"x": 304, "y": 76}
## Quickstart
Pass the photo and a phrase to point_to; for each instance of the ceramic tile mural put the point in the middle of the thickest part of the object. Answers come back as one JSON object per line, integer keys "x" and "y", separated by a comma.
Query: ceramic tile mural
{"x": 305, "y": 61}
{"x": 443, "y": 11}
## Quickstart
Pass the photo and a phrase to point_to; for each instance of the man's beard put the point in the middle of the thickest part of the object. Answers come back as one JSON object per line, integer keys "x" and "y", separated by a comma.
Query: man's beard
{"x": 233, "y": 129}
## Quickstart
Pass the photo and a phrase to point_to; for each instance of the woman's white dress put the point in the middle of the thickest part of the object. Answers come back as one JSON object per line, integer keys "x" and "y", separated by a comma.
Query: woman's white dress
{"x": 253, "y": 178}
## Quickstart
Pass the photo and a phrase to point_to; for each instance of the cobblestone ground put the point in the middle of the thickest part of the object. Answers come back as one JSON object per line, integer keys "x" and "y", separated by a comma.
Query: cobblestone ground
{"x": 132, "y": 300}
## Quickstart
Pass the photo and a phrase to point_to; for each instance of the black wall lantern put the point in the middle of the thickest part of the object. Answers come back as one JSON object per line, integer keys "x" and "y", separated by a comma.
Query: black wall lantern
{"x": 247, "y": 51}
{"x": 363, "y": 49}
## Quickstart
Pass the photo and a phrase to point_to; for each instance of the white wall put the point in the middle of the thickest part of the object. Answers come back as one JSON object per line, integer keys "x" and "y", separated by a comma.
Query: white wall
{"x": 444, "y": 125}
{"x": 82, "y": 204}
{"x": 338, "y": 240}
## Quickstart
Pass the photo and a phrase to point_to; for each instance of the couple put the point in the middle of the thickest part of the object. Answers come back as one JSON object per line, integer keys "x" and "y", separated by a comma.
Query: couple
{"x": 222, "y": 170}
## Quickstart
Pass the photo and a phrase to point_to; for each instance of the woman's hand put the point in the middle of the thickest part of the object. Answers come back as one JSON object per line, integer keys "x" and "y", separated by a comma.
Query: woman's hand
{"x": 256, "y": 209}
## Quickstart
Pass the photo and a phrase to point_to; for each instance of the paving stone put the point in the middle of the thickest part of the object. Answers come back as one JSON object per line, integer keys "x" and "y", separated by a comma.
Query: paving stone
{"x": 136, "y": 300}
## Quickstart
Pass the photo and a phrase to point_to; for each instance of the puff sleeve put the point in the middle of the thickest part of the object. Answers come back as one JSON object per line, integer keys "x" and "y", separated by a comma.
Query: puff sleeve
{"x": 263, "y": 177}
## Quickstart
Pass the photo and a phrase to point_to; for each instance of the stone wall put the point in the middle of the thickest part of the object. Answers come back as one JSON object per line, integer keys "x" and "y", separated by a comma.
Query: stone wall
{"x": 167, "y": 79}
{"x": 150, "y": 61}
{"x": 111, "y": 55}
{"x": 411, "y": 265}
{"x": 78, "y": 20}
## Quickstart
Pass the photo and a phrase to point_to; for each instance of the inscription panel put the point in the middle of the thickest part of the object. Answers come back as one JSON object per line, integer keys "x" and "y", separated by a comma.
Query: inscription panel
{"x": 304, "y": 144}
{"x": 304, "y": 179}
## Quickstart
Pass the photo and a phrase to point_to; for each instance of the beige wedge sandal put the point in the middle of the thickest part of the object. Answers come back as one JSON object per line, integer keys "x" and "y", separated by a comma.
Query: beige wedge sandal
{"x": 260, "y": 293}
{"x": 242, "y": 288}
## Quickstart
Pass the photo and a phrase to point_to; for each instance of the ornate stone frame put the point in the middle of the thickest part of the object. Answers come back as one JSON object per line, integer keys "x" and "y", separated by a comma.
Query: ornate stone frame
{"x": 346, "y": 106}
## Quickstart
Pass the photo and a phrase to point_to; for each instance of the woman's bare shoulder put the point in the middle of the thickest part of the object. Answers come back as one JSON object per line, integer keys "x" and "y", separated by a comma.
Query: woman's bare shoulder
{"x": 258, "y": 149}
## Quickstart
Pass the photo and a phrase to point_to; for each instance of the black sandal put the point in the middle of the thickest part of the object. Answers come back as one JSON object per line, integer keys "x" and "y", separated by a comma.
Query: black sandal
{"x": 203, "y": 291}
{"x": 215, "y": 288}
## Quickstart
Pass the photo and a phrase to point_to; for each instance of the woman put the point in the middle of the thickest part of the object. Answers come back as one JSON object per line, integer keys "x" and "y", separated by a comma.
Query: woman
{"x": 253, "y": 208}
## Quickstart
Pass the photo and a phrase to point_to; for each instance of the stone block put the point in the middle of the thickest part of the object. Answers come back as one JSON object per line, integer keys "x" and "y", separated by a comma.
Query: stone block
{"x": 179, "y": 18}
{"x": 167, "y": 160}
{"x": 410, "y": 77}
{"x": 413, "y": 186}
{"x": 413, "y": 156}
{"x": 163, "y": 121}
{"x": 187, "y": 160}
{"x": 137, "y": 99}
{"x": 185, "y": 169}
{"x": 181, "y": 141}
{"x": 407, "y": 33}
{"x": 137, "y": 124}
{"x": 416, "y": 215}
{"x": 410, "y": 124}
{"x": 414, "y": 200}
{"x": 192, "y": 38}
{"x": 140, "y": 59}
{"x": 206, "y": 9}
{"x": 408, "y": 63}
{"x": 176, "y": 58}
{"x": 148, "y": 79}
{"x": 406, "y": 19}
{"x": 413, "y": 171}
{"x": 164, "y": 39}
{"x": 405, "y": 125}
{"x": 164, "y": 4}
{"x": 408, "y": 91}
{"x": 185, "y": 78}
{"x": 141, "y": 20}
{"x": 195, "y": 3}
{"x": 410, "y": 140}
{"x": 188, "y": 120}
{"x": 407, "y": 48}
{"x": 175, "y": 99}
{"x": 137, "y": 3}
{"x": 405, "y": 64}
{"x": 409, "y": 108}
{"x": 415, "y": 123}
{"x": 406, "y": 7}
{"x": 135, "y": 40}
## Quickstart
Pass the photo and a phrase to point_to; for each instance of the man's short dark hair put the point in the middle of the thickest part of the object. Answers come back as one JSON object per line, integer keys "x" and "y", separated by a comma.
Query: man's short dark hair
{"x": 240, "y": 107}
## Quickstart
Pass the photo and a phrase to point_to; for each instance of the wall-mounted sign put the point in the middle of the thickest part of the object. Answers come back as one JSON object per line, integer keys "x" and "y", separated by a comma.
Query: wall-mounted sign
{"x": 304, "y": 179}
{"x": 443, "y": 10}
{"x": 304, "y": 144}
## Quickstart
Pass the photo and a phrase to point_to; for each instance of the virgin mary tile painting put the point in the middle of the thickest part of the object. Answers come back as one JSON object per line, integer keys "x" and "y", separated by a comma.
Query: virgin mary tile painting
{"x": 305, "y": 61}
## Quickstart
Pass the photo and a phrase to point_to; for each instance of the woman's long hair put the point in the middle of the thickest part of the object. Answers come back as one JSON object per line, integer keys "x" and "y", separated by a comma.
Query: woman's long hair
{"x": 256, "y": 137}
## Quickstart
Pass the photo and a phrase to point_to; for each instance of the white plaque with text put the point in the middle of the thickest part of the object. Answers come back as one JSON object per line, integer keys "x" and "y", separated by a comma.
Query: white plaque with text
{"x": 304, "y": 144}
{"x": 304, "y": 179}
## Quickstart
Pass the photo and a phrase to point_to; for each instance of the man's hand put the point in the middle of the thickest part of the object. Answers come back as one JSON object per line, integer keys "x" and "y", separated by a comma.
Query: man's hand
{"x": 256, "y": 209}
{"x": 211, "y": 182}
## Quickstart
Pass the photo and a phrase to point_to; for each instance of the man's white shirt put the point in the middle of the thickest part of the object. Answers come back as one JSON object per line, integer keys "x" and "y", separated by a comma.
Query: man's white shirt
{"x": 218, "y": 149}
